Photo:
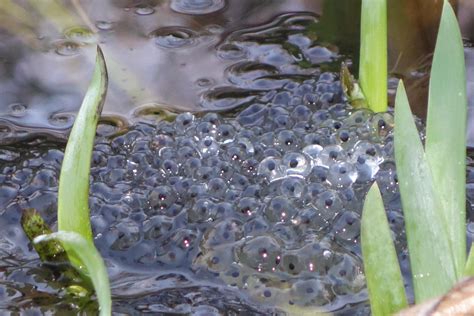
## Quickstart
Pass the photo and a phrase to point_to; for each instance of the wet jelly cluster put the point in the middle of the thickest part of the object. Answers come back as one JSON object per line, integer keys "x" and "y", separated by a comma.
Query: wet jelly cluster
{"x": 268, "y": 201}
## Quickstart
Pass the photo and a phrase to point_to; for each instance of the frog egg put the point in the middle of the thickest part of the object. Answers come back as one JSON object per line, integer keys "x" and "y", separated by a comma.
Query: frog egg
{"x": 270, "y": 169}
{"x": 281, "y": 122}
{"x": 182, "y": 185}
{"x": 286, "y": 141}
{"x": 359, "y": 117}
{"x": 296, "y": 164}
{"x": 183, "y": 122}
{"x": 313, "y": 152}
{"x": 312, "y": 191}
{"x": 239, "y": 181}
{"x": 382, "y": 125}
{"x": 342, "y": 175}
{"x": 340, "y": 110}
{"x": 186, "y": 152}
{"x": 203, "y": 130}
{"x": 177, "y": 247}
{"x": 250, "y": 167}
{"x": 347, "y": 276}
{"x": 319, "y": 174}
{"x": 225, "y": 232}
{"x": 217, "y": 188}
{"x": 316, "y": 138}
{"x": 191, "y": 166}
{"x": 292, "y": 187}
{"x": 267, "y": 139}
{"x": 311, "y": 292}
{"x": 235, "y": 154}
{"x": 224, "y": 209}
{"x": 262, "y": 253}
{"x": 347, "y": 229}
{"x": 128, "y": 234}
{"x": 168, "y": 153}
{"x": 203, "y": 210}
{"x": 162, "y": 197}
{"x": 332, "y": 154}
{"x": 157, "y": 226}
{"x": 317, "y": 257}
{"x": 253, "y": 115}
{"x": 248, "y": 207}
{"x": 313, "y": 219}
{"x": 204, "y": 174}
{"x": 225, "y": 133}
{"x": 301, "y": 113}
{"x": 212, "y": 118}
{"x": 388, "y": 181}
{"x": 169, "y": 168}
{"x": 208, "y": 147}
{"x": 329, "y": 201}
{"x": 197, "y": 190}
{"x": 366, "y": 166}
{"x": 280, "y": 209}
{"x": 224, "y": 170}
{"x": 252, "y": 191}
{"x": 256, "y": 226}
{"x": 291, "y": 263}
{"x": 320, "y": 116}
{"x": 246, "y": 145}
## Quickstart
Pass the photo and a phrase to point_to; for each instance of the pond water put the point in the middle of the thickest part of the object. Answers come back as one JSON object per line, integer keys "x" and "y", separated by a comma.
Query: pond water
{"x": 254, "y": 210}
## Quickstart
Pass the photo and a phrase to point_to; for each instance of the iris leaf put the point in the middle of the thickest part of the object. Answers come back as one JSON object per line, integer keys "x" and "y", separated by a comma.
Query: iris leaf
{"x": 446, "y": 132}
{"x": 433, "y": 267}
{"x": 382, "y": 270}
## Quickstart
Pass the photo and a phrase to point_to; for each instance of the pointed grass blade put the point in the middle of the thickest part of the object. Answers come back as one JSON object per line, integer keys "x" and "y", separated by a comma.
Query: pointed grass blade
{"x": 469, "y": 268}
{"x": 446, "y": 131}
{"x": 373, "y": 53}
{"x": 85, "y": 250}
{"x": 382, "y": 270}
{"x": 431, "y": 259}
{"x": 73, "y": 195}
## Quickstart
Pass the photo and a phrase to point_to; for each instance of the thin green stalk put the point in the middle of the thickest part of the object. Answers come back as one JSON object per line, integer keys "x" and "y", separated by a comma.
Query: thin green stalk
{"x": 73, "y": 195}
{"x": 373, "y": 54}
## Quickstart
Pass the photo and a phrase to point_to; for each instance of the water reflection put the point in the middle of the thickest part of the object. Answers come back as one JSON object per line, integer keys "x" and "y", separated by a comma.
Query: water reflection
{"x": 164, "y": 52}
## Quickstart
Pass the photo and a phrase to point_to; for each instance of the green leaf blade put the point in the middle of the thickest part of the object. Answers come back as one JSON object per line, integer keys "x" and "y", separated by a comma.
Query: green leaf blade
{"x": 432, "y": 265}
{"x": 90, "y": 257}
{"x": 446, "y": 131}
{"x": 373, "y": 54}
{"x": 382, "y": 270}
{"x": 73, "y": 195}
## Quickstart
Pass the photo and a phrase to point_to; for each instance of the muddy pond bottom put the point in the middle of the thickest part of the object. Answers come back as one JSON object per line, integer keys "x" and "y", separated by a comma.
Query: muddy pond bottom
{"x": 258, "y": 212}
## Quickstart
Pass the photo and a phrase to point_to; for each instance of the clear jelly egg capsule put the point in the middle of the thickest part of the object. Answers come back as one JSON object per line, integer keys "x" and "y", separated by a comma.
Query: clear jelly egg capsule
{"x": 286, "y": 140}
{"x": 382, "y": 124}
{"x": 296, "y": 164}
{"x": 358, "y": 118}
{"x": 366, "y": 166}
{"x": 342, "y": 175}
{"x": 291, "y": 263}
{"x": 332, "y": 154}
{"x": 246, "y": 145}
{"x": 183, "y": 122}
{"x": 347, "y": 228}
{"x": 224, "y": 232}
{"x": 208, "y": 147}
{"x": 262, "y": 253}
{"x": 329, "y": 201}
{"x": 280, "y": 209}
{"x": 313, "y": 152}
{"x": 270, "y": 169}
{"x": 292, "y": 187}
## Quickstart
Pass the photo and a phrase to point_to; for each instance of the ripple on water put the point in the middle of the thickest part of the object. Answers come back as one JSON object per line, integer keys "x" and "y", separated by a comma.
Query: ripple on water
{"x": 174, "y": 37}
{"x": 197, "y": 6}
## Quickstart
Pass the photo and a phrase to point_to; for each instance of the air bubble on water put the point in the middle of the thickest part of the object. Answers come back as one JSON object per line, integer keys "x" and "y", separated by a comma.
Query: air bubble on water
{"x": 197, "y": 7}
{"x": 144, "y": 10}
{"x": 66, "y": 47}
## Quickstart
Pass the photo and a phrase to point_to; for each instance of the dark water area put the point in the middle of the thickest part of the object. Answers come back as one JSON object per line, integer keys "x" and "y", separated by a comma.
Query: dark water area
{"x": 185, "y": 55}
{"x": 254, "y": 210}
